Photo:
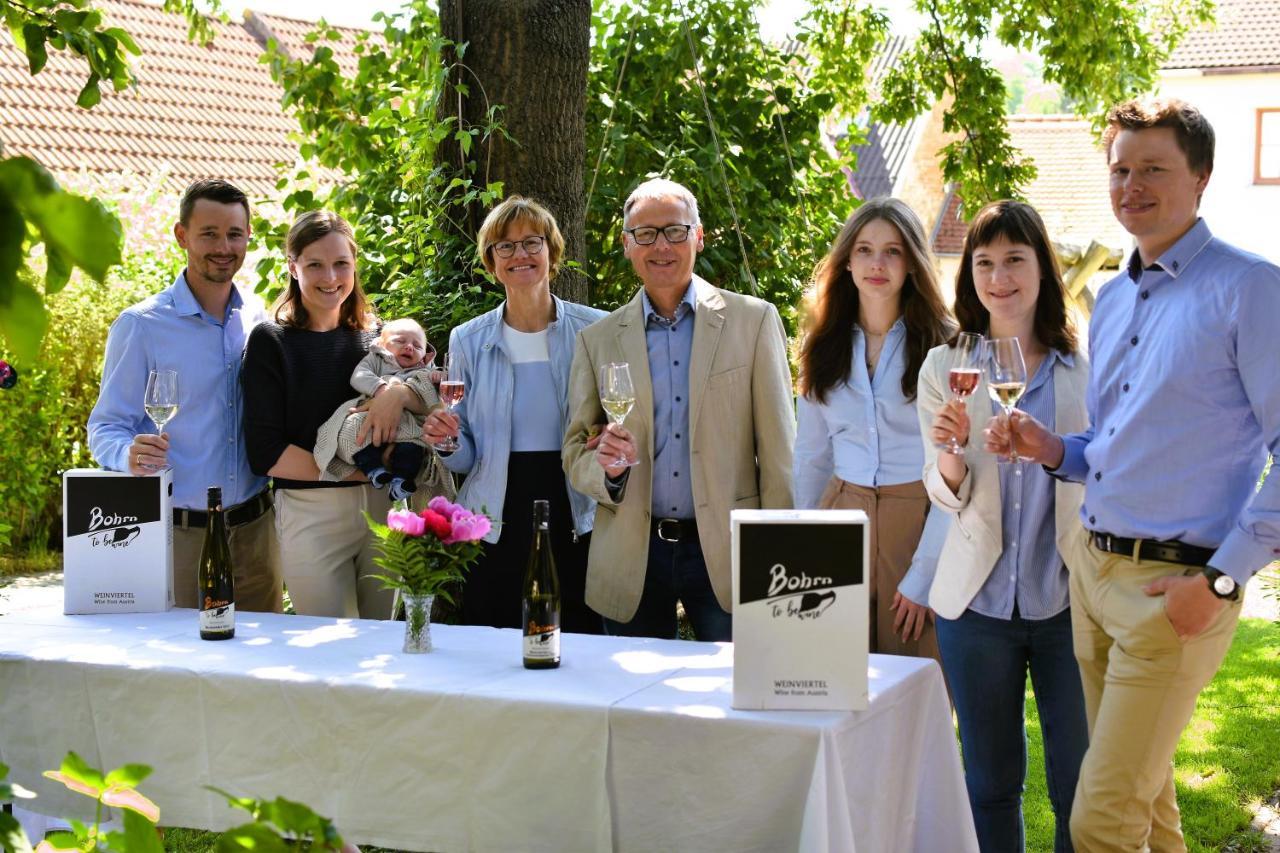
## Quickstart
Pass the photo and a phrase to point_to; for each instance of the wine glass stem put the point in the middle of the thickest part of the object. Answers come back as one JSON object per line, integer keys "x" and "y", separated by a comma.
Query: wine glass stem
{"x": 1013, "y": 447}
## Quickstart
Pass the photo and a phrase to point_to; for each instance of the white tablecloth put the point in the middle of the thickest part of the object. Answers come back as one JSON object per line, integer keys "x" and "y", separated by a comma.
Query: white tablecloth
{"x": 629, "y": 745}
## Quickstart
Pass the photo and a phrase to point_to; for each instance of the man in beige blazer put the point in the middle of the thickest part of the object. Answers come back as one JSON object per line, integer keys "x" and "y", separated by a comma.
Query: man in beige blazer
{"x": 711, "y": 430}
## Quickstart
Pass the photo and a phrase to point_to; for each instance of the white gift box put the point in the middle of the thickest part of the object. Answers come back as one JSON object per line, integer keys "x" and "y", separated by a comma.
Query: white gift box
{"x": 800, "y": 609}
{"x": 117, "y": 542}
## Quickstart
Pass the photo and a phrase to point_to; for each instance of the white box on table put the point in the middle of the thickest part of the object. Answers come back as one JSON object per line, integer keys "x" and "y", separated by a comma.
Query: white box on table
{"x": 117, "y": 542}
{"x": 800, "y": 609}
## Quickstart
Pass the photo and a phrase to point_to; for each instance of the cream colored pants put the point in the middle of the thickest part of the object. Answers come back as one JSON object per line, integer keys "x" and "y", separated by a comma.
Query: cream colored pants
{"x": 1140, "y": 687}
{"x": 255, "y": 564}
{"x": 327, "y": 551}
{"x": 896, "y": 515}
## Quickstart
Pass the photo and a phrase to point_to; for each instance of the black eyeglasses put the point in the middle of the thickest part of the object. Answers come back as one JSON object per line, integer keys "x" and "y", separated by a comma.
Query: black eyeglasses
{"x": 532, "y": 246}
{"x": 646, "y": 235}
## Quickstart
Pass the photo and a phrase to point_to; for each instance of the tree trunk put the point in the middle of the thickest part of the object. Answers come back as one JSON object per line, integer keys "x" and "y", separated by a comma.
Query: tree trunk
{"x": 531, "y": 57}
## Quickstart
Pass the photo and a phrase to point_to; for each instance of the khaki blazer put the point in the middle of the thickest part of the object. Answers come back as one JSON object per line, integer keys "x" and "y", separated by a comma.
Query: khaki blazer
{"x": 974, "y": 542}
{"x": 741, "y": 434}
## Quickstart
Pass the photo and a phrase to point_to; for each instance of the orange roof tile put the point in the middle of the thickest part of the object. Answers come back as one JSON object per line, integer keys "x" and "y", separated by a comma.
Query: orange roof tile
{"x": 195, "y": 111}
{"x": 1246, "y": 34}
{"x": 1069, "y": 190}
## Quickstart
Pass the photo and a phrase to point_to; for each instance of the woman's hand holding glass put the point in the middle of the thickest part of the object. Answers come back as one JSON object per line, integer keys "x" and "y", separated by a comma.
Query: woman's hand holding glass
{"x": 950, "y": 426}
{"x": 966, "y": 370}
{"x": 441, "y": 425}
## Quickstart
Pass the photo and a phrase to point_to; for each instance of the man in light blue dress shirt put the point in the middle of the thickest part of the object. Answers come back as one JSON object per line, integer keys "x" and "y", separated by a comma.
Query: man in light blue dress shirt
{"x": 1184, "y": 408}
{"x": 198, "y": 327}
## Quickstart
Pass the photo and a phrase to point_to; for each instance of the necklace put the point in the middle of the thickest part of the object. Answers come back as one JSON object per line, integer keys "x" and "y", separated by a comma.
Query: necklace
{"x": 875, "y": 343}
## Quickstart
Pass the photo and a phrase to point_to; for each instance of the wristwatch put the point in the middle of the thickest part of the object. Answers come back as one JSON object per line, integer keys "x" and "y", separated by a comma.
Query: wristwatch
{"x": 1223, "y": 586}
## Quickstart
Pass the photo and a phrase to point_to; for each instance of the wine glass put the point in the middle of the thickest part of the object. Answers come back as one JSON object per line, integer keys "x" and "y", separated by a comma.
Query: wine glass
{"x": 1006, "y": 380}
{"x": 452, "y": 390}
{"x": 617, "y": 396}
{"x": 161, "y": 398}
{"x": 966, "y": 369}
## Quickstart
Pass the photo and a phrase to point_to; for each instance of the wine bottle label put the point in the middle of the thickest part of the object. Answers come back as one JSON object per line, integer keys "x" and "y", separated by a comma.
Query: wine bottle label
{"x": 544, "y": 645}
{"x": 220, "y": 616}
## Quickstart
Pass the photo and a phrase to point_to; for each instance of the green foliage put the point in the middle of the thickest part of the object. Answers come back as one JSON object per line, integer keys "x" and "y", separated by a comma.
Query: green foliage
{"x": 76, "y": 27}
{"x": 1095, "y": 64}
{"x": 421, "y": 565}
{"x": 278, "y": 826}
{"x": 74, "y": 231}
{"x": 378, "y": 134}
{"x": 757, "y": 141}
{"x": 46, "y": 412}
{"x": 117, "y": 789}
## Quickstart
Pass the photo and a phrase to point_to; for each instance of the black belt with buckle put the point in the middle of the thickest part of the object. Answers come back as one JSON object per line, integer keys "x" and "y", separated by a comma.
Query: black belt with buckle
{"x": 241, "y": 513}
{"x": 676, "y": 529}
{"x": 1170, "y": 551}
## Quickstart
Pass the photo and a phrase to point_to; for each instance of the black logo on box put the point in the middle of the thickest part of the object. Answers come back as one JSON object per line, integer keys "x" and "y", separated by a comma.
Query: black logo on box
{"x": 798, "y": 568}
{"x": 111, "y": 510}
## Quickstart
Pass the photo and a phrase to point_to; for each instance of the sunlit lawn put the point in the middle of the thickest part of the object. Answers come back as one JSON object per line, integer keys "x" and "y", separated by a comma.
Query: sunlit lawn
{"x": 1228, "y": 759}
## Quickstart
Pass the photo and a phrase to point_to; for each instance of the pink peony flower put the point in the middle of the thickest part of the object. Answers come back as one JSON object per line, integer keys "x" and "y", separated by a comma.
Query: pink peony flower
{"x": 443, "y": 506}
{"x": 408, "y": 523}
{"x": 467, "y": 528}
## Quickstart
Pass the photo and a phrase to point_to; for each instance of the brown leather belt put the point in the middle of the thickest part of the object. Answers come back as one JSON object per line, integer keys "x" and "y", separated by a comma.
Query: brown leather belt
{"x": 676, "y": 529}
{"x": 1170, "y": 551}
{"x": 241, "y": 513}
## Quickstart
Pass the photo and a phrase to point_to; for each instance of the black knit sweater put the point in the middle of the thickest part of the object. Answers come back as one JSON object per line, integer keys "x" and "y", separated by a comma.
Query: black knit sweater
{"x": 293, "y": 381}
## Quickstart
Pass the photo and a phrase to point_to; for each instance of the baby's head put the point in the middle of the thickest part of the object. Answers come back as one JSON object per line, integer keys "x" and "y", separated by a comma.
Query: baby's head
{"x": 405, "y": 340}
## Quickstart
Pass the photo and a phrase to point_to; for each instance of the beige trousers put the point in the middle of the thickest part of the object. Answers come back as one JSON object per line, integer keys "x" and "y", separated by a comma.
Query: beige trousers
{"x": 897, "y": 515}
{"x": 255, "y": 564}
{"x": 1140, "y": 687}
{"x": 327, "y": 551}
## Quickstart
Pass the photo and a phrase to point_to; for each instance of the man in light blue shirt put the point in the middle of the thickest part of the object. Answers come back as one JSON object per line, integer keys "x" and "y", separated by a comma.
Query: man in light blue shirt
{"x": 197, "y": 327}
{"x": 1184, "y": 408}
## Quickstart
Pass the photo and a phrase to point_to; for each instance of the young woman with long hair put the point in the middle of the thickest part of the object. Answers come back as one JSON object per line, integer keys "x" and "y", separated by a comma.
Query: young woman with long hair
{"x": 876, "y": 312}
{"x": 297, "y": 370}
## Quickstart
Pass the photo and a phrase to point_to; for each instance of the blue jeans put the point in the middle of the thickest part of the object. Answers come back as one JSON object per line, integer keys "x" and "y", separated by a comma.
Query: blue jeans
{"x": 676, "y": 572}
{"x": 986, "y": 662}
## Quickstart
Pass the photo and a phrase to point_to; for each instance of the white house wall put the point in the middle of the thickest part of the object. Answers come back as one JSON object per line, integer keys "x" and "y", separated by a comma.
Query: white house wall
{"x": 1236, "y": 209}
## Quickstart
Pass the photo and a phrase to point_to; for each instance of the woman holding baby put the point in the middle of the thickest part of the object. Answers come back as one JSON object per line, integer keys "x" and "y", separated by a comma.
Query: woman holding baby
{"x": 297, "y": 373}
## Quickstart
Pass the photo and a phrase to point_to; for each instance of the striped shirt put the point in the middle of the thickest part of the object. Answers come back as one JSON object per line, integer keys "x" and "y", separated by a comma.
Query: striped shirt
{"x": 1030, "y": 571}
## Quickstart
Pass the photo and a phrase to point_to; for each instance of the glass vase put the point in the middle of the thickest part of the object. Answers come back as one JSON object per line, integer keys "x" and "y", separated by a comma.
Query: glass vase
{"x": 417, "y": 623}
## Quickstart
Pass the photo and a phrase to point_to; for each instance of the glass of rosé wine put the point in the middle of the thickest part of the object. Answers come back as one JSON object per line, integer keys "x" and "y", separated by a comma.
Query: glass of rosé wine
{"x": 966, "y": 370}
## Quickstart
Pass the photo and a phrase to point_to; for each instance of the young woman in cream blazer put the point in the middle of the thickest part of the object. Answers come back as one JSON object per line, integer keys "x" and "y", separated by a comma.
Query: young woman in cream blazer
{"x": 1000, "y": 591}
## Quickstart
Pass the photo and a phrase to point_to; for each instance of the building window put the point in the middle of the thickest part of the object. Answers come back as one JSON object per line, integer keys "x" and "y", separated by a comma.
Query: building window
{"x": 1266, "y": 161}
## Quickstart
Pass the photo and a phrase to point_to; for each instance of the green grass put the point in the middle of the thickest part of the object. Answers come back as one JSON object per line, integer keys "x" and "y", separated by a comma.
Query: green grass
{"x": 1227, "y": 761}
{"x": 30, "y": 563}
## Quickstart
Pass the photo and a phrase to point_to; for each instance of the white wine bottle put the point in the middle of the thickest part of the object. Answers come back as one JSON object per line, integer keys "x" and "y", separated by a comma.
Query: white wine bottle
{"x": 217, "y": 603}
{"x": 541, "y": 600}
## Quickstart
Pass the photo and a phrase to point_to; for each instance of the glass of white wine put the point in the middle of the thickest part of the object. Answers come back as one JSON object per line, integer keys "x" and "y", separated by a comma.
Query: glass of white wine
{"x": 617, "y": 396}
{"x": 161, "y": 399}
{"x": 1006, "y": 380}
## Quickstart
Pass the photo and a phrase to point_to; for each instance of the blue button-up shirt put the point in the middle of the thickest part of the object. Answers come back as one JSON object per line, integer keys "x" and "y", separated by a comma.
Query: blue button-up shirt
{"x": 1030, "y": 571}
{"x": 867, "y": 432}
{"x": 670, "y": 345}
{"x": 1184, "y": 404}
{"x": 206, "y": 443}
